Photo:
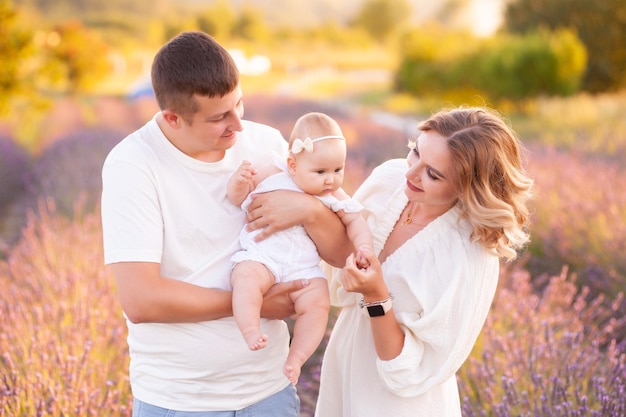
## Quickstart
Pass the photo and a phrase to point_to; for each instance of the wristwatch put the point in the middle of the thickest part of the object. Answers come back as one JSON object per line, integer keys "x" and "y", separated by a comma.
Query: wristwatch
{"x": 376, "y": 308}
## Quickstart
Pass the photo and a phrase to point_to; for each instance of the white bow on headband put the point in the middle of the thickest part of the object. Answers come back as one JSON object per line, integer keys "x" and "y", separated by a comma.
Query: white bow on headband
{"x": 300, "y": 145}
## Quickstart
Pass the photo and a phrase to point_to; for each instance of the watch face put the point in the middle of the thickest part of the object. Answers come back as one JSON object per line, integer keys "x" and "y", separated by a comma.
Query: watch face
{"x": 376, "y": 311}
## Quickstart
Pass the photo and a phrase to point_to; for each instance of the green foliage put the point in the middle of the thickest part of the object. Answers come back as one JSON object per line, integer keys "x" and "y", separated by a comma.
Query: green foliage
{"x": 429, "y": 60}
{"x": 572, "y": 60}
{"x": 218, "y": 20}
{"x": 77, "y": 56}
{"x": 538, "y": 63}
{"x": 380, "y": 18}
{"x": 16, "y": 48}
{"x": 601, "y": 26}
{"x": 518, "y": 68}
{"x": 504, "y": 67}
{"x": 251, "y": 25}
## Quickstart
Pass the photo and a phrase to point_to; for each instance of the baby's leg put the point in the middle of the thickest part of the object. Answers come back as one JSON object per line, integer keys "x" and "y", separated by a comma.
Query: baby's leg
{"x": 250, "y": 281}
{"x": 312, "y": 304}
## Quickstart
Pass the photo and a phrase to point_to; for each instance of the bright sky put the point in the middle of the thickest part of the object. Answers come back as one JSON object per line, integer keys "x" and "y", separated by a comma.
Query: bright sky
{"x": 486, "y": 16}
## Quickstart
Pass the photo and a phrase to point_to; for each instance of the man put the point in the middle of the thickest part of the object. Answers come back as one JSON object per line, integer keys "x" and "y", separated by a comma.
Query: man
{"x": 169, "y": 233}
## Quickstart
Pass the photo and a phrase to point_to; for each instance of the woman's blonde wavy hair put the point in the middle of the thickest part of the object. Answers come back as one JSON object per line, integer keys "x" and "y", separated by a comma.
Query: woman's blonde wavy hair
{"x": 491, "y": 183}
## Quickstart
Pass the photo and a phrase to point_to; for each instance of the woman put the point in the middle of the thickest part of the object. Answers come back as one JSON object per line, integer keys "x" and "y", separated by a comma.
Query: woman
{"x": 440, "y": 227}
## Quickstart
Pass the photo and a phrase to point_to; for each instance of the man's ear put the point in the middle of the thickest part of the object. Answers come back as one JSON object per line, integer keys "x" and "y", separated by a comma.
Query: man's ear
{"x": 171, "y": 118}
{"x": 291, "y": 164}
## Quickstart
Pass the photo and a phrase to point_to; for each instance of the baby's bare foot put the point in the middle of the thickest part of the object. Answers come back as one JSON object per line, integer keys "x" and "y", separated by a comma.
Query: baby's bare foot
{"x": 255, "y": 339}
{"x": 259, "y": 343}
{"x": 292, "y": 372}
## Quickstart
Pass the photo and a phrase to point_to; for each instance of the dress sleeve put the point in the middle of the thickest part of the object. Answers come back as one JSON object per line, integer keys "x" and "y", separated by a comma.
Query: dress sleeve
{"x": 454, "y": 280}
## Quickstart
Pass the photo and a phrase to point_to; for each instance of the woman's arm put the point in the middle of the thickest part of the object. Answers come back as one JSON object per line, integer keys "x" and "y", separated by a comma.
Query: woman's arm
{"x": 387, "y": 333}
{"x": 279, "y": 210}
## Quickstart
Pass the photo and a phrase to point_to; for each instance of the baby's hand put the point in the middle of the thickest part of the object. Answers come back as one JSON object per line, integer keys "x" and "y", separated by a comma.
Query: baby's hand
{"x": 244, "y": 173}
{"x": 241, "y": 183}
{"x": 360, "y": 258}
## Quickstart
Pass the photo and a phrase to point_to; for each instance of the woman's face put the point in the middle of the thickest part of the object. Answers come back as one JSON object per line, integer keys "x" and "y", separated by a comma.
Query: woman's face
{"x": 428, "y": 177}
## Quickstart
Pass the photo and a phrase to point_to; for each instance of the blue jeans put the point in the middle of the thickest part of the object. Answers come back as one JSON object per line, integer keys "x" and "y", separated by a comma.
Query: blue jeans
{"x": 284, "y": 403}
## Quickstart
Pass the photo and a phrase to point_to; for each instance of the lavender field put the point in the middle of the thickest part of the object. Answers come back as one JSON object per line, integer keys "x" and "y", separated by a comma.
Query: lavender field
{"x": 553, "y": 344}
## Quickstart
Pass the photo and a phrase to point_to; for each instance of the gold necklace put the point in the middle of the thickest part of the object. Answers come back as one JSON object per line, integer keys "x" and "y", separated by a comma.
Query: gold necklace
{"x": 408, "y": 219}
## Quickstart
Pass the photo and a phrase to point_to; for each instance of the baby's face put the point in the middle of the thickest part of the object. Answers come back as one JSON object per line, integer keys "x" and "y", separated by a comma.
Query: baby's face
{"x": 321, "y": 172}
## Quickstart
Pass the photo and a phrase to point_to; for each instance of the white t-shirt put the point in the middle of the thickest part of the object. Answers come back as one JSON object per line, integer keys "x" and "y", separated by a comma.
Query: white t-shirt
{"x": 443, "y": 285}
{"x": 160, "y": 205}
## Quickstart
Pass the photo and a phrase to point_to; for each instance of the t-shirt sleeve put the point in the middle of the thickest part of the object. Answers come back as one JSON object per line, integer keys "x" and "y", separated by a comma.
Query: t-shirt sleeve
{"x": 131, "y": 216}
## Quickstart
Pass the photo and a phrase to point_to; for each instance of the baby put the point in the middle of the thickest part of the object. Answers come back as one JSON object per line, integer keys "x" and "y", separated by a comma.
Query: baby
{"x": 315, "y": 165}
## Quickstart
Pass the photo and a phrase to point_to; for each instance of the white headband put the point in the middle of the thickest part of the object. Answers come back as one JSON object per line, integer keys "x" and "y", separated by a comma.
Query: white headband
{"x": 300, "y": 145}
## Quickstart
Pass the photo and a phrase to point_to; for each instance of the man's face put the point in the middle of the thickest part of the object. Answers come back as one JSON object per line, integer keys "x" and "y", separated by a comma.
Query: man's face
{"x": 213, "y": 128}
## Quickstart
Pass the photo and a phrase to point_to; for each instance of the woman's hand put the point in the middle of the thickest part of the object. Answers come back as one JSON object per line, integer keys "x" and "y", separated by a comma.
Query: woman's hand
{"x": 277, "y": 302}
{"x": 367, "y": 281}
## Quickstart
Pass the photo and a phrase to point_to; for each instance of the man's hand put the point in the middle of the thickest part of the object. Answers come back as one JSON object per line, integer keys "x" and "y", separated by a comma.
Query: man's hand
{"x": 277, "y": 302}
{"x": 278, "y": 210}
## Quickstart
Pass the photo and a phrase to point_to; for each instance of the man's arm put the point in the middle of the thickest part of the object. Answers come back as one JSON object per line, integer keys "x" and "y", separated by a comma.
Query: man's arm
{"x": 147, "y": 297}
{"x": 279, "y": 210}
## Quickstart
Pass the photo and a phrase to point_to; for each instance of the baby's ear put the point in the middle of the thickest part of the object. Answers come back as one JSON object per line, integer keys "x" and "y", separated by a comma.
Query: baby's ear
{"x": 291, "y": 164}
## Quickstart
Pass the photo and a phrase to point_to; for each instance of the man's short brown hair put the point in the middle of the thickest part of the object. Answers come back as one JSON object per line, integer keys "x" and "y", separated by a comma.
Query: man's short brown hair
{"x": 189, "y": 64}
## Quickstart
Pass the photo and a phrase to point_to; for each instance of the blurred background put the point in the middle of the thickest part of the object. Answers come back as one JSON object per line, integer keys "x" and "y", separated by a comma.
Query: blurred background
{"x": 74, "y": 81}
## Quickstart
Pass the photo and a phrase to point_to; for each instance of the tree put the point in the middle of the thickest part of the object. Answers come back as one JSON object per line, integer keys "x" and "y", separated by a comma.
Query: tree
{"x": 380, "y": 18}
{"x": 16, "y": 47}
{"x": 507, "y": 66}
{"x": 538, "y": 63}
{"x": 600, "y": 25}
{"x": 218, "y": 20}
{"x": 251, "y": 25}
{"x": 76, "y": 56}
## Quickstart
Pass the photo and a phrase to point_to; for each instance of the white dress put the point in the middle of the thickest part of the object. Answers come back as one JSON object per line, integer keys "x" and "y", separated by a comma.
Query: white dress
{"x": 443, "y": 285}
{"x": 289, "y": 254}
